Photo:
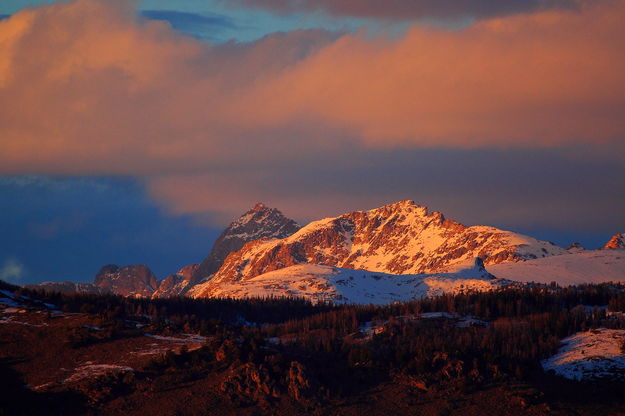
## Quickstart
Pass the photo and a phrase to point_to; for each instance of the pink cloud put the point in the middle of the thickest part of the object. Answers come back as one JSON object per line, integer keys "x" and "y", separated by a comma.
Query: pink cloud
{"x": 87, "y": 87}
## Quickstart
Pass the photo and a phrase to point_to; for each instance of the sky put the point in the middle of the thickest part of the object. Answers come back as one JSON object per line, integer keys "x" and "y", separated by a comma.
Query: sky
{"x": 134, "y": 131}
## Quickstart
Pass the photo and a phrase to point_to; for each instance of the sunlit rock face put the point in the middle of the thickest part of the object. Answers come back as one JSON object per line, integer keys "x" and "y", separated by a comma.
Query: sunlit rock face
{"x": 259, "y": 222}
{"x": 400, "y": 238}
{"x": 616, "y": 242}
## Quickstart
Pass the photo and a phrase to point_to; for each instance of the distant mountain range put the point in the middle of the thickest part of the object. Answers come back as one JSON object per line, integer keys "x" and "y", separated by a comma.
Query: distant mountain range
{"x": 396, "y": 252}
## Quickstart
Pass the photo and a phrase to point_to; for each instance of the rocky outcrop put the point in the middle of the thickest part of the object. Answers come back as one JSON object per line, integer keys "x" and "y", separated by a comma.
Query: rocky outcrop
{"x": 400, "y": 238}
{"x": 259, "y": 222}
{"x": 250, "y": 383}
{"x": 616, "y": 242}
{"x": 137, "y": 280}
{"x": 255, "y": 383}
{"x": 575, "y": 247}
{"x": 299, "y": 383}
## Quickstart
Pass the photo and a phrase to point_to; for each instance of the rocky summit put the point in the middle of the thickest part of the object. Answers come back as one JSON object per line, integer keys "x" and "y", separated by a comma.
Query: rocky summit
{"x": 259, "y": 222}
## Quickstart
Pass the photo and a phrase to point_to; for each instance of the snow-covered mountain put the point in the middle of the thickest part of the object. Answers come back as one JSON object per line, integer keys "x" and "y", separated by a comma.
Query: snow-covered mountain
{"x": 396, "y": 252}
{"x": 328, "y": 283}
{"x": 259, "y": 222}
{"x": 590, "y": 266}
{"x": 400, "y": 238}
{"x": 616, "y": 242}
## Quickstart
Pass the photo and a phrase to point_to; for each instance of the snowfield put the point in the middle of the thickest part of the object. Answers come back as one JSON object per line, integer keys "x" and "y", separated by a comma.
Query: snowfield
{"x": 590, "y": 355}
{"x": 328, "y": 283}
{"x": 594, "y": 266}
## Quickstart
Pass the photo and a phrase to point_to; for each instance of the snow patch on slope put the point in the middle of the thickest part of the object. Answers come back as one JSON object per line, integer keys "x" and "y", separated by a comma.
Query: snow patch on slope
{"x": 592, "y": 266}
{"x": 334, "y": 284}
{"x": 594, "y": 354}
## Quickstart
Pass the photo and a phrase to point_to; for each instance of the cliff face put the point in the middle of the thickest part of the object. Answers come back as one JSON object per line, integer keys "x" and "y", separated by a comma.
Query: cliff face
{"x": 400, "y": 238}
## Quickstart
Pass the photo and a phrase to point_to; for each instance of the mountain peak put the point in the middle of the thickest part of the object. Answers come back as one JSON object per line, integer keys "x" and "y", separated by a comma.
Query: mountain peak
{"x": 259, "y": 222}
{"x": 402, "y": 205}
{"x": 259, "y": 214}
{"x": 409, "y": 209}
{"x": 259, "y": 207}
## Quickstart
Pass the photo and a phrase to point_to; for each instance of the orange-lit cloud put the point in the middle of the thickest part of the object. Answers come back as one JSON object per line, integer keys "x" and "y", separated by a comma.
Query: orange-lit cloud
{"x": 87, "y": 87}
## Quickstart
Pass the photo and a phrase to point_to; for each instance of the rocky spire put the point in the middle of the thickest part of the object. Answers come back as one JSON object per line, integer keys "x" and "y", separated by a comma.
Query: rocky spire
{"x": 259, "y": 222}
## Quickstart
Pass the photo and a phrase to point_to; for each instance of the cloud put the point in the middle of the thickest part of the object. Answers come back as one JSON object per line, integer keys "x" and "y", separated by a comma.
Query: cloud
{"x": 88, "y": 87}
{"x": 12, "y": 271}
{"x": 409, "y": 9}
{"x": 198, "y": 25}
{"x": 517, "y": 189}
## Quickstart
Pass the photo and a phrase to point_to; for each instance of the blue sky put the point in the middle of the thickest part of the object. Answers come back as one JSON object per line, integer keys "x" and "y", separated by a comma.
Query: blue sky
{"x": 67, "y": 228}
{"x": 213, "y": 21}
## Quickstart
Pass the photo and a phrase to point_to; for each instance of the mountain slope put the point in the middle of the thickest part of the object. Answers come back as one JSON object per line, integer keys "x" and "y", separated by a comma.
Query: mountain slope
{"x": 400, "y": 238}
{"x": 259, "y": 222}
{"x": 327, "y": 283}
{"x": 591, "y": 355}
{"x": 591, "y": 266}
{"x": 177, "y": 283}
